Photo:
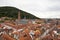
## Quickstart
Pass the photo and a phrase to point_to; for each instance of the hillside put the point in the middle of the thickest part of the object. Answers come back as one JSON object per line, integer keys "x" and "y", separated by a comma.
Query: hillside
{"x": 13, "y": 12}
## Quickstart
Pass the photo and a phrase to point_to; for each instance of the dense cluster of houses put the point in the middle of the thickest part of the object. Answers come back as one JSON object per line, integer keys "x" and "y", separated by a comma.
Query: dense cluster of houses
{"x": 37, "y": 29}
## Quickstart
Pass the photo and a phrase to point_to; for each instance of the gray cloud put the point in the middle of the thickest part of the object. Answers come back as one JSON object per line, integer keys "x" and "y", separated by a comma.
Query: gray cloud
{"x": 55, "y": 0}
{"x": 55, "y": 5}
{"x": 54, "y": 8}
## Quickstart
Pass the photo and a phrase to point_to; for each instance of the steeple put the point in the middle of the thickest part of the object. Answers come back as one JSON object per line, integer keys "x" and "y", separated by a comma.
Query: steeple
{"x": 19, "y": 16}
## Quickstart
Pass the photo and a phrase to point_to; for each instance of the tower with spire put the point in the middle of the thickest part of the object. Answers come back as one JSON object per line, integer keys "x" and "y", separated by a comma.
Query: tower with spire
{"x": 19, "y": 17}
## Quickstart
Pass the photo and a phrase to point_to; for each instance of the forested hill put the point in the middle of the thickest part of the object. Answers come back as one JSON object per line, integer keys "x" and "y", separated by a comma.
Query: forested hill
{"x": 13, "y": 12}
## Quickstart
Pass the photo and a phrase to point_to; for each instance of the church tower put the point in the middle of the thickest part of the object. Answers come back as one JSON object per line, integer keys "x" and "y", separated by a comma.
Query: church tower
{"x": 19, "y": 18}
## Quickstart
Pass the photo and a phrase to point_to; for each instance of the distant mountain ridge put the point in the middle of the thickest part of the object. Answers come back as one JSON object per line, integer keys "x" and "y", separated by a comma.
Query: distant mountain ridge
{"x": 13, "y": 12}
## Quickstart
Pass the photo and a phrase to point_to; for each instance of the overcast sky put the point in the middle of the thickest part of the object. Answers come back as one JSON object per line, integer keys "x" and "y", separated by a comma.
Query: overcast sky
{"x": 39, "y": 8}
